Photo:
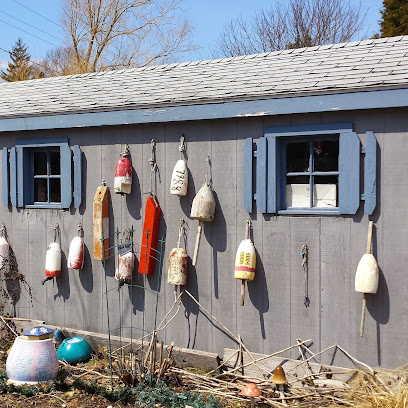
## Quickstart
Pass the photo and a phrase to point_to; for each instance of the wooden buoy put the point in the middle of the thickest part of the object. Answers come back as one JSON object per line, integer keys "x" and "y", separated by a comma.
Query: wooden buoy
{"x": 148, "y": 251}
{"x": 101, "y": 223}
{"x": 202, "y": 209}
{"x": 245, "y": 261}
{"x": 367, "y": 275}
{"x": 124, "y": 267}
{"x": 179, "y": 177}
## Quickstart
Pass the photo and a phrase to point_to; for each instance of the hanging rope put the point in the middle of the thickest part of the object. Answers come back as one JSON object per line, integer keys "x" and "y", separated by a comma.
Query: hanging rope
{"x": 206, "y": 172}
{"x": 3, "y": 232}
{"x": 126, "y": 152}
{"x": 80, "y": 230}
{"x": 56, "y": 232}
{"x": 305, "y": 265}
{"x": 182, "y": 146}
{"x": 153, "y": 165}
{"x": 181, "y": 231}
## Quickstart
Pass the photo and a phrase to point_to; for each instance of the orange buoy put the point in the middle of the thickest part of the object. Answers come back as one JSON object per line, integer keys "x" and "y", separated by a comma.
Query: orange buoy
{"x": 148, "y": 251}
{"x": 101, "y": 223}
{"x": 123, "y": 173}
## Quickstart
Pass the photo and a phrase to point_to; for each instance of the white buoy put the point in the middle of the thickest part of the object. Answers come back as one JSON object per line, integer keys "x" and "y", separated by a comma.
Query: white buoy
{"x": 367, "y": 275}
{"x": 53, "y": 260}
{"x": 76, "y": 253}
{"x": 179, "y": 177}
{"x": 4, "y": 253}
{"x": 124, "y": 267}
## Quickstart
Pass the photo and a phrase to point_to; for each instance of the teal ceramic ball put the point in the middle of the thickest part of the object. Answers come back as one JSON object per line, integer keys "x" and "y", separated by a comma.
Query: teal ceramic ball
{"x": 74, "y": 350}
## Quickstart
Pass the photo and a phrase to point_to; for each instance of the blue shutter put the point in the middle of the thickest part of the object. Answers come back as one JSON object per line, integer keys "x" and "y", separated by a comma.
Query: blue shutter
{"x": 261, "y": 167}
{"x": 5, "y": 176}
{"x": 22, "y": 167}
{"x": 248, "y": 194}
{"x": 349, "y": 169}
{"x": 13, "y": 176}
{"x": 370, "y": 170}
{"x": 271, "y": 200}
{"x": 66, "y": 176}
{"x": 78, "y": 176}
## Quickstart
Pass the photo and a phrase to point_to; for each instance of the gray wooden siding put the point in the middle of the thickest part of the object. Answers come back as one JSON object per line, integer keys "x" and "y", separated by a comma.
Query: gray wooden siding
{"x": 274, "y": 314}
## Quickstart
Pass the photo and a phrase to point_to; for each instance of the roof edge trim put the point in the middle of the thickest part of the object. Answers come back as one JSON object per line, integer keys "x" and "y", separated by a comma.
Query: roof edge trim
{"x": 390, "y": 98}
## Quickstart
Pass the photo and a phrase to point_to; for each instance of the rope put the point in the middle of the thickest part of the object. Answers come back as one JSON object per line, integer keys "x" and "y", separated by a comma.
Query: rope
{"x": 80, "y": 230}
{"x": 56, "y": 232}
{"x": 305, "y": 265}
{"x": 180, "y": 232}
{"x": 3, "y": 231}
{"x": 206, "y": 171}
{"x": 153, "y": 165}
{"x": 182, "y": 146}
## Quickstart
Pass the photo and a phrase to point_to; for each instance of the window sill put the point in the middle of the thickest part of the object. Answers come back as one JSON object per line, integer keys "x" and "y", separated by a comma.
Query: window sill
{"x": 45, "y": 205}
{"x": 309, "y": 211}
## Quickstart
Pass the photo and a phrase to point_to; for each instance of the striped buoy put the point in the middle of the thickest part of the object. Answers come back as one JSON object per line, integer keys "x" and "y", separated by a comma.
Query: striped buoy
{"x": 123, "y": 173}
{"x": 245, "y": 261}
{"x": 53, "y": 260}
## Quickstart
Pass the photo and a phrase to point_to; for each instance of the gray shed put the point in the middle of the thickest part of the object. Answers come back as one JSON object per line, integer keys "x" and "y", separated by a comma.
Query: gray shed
{"x": 309, "y": 143}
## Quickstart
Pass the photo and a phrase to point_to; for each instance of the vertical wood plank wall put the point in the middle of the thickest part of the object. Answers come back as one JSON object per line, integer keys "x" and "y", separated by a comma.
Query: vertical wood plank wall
{"x": 274, "y": 314}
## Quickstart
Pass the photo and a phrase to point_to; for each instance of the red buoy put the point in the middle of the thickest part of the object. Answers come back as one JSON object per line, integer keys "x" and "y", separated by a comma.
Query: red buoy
{"x": 123, "y": 174}
{"x": 148, "y": 251}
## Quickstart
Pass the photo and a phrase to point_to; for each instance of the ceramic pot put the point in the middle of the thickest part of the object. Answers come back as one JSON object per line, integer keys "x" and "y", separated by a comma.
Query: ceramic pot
{"x": 74, "y": 350}
{"x": 32, "y": 361}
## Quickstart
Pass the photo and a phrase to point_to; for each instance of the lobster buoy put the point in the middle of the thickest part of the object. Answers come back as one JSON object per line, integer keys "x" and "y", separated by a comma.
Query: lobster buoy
{"x": 177, "y": 268}
{"x": 53, "y": 260}
{"x": 245, "y": 261}
{"x": 202, "y": 209}
{"x": 367, "y": 275}
{"x": 4, "y": 253}
{"x": 101, "y": 223}
{"x": 148, "y": 251}
{"x": 124, "y": 268}
{"x": 178, "y": 258}
{"x": 76, "y": 253}
{"x": 179, "y": 179}
{"x": 123, "y": 174}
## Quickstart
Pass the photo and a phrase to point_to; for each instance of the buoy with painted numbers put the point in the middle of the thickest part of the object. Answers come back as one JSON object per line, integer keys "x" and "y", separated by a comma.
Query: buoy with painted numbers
{"x": 179, "y": 177}
{"x": 101, "y": 223}
{"x": 177, "y": 265}
{"x": 4, "y": 249}
{"x": 367, "y": 275}
{"x": 123, "y": 173}
{"x": 76, "y": 251}
{"x": 245, "y": 261}
{"x": 202, "y": 209}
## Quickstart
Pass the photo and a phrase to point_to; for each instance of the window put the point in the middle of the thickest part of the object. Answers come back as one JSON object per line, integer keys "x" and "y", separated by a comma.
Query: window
{"x": 38, "y": 174}
{"x": 312, "y": 169}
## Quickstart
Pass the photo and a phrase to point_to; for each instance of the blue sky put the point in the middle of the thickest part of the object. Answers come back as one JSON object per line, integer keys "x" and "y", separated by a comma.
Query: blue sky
{"x": 206, "y": 16}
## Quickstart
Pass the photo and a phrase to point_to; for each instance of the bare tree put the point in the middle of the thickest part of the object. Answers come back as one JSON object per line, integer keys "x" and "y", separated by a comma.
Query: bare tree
{"x": 294, "y": 24}
{"x": 106, "y": 34}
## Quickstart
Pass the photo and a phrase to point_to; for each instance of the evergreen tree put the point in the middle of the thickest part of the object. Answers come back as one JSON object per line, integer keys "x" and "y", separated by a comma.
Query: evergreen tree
{"x": 394, "y": 18}
{"x": 19, "y": 69}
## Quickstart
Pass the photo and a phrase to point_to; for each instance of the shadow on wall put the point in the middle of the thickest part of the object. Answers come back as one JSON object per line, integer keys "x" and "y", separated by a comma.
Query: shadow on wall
{"x": 216, "y": 235}
{"x": 64, "y": 290}
{"x": 86, "y": 273}
{"x": 134, "y": 200}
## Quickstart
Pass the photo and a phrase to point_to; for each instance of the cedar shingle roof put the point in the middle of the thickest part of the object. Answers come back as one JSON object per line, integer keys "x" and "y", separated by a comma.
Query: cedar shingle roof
{"x": 324, "y": 69}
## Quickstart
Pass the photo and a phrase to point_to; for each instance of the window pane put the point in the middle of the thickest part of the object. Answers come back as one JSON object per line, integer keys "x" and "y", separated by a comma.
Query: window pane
{"x": 55, "y": 190}
{"x": 297, "y": 157}
{"x": 325, "y": 191}
{"x": 298, "y": 192}
{"x": 55, "y": 163}
{"x": 40, "y": 190}
{"x": 326, "y": 155}
{"x": 40, "y": 163}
